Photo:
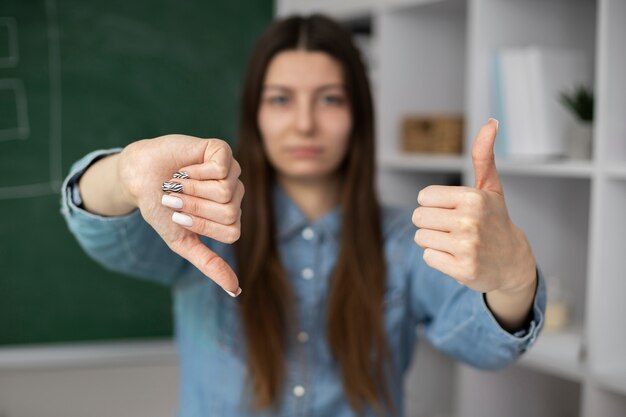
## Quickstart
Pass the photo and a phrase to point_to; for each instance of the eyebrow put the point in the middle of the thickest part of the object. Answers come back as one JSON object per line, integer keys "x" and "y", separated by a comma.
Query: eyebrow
{"x": 286, "y": 88}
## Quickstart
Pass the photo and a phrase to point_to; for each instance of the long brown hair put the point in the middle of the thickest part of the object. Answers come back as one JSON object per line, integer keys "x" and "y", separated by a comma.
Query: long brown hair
{"x": 355, "y": 324}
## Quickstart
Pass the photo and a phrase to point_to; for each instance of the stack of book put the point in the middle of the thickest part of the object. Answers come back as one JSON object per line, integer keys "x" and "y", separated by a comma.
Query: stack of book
{"x": 526, "y": 84}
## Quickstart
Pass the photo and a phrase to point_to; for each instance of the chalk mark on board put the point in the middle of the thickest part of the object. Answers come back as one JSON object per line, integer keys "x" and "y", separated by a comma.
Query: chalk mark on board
{"x": 56, "y": 170}
{"x": 13, "y": 55}
{"x": 21, "y": 129}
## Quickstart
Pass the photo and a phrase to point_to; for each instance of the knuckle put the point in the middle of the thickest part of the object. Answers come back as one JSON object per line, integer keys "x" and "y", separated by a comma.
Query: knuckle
{"x": 469, "y": 225}
{"x": 236, "y": 167}
{"x": 474, "y": 199}
{"x": 211, "y": 263}
{"x": 419, "y": 237}
{"x": 232, "y": 235}
{"x": 417, "y": 216}
{"x": 176, "y": 245}
{"x": 423, "y": 193}
{"x": 205, "y": 228}
{"x": 231, "y": 214}
{"x": 220, "y": 143}
{"x": 226, "y": 194}
{"x": 236, "y": 234}
{"x": 428, "y": 256}
{"x": 189, "y": 187}
{"x": 221, "y": 171}
{"x": 226, "y": 146}
{"x": 191, "y": 206}
{"x": 242, "y": 188}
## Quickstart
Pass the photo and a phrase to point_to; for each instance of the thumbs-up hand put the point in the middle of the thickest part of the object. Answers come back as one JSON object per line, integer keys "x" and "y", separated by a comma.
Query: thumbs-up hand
{"x": 467, "y": 233}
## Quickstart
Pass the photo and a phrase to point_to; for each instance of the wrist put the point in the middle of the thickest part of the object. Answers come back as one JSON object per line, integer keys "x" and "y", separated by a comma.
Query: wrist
{"x": 522, "y": 278}
{"x": 125, "y": 198}
{"x": 101, "y": 191}
{"x": 512, "y": 307}
{"x": 525, "y": 290}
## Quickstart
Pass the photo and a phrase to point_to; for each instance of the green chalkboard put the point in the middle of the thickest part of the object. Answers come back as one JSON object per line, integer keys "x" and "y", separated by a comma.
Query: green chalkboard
{"x": 82, "y": 75}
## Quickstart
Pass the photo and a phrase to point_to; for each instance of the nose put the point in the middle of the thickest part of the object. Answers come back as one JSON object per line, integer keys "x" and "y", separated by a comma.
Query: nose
{"x": 305, "y": 120}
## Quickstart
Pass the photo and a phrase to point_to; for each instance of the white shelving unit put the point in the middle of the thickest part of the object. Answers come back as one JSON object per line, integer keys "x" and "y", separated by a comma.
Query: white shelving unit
{"x": 564, "y": 169}
{"x": 558, "y": 354}
{"x": 431, "y": 56}
{"x": 426, "y": 164}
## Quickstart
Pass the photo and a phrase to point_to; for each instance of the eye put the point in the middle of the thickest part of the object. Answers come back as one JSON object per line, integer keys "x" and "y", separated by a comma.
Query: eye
{"x": 278, "y": 100}
{"x": 332, "y": 99}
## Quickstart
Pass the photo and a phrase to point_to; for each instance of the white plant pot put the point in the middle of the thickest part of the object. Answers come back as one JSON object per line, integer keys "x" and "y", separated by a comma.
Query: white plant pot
{"x": 579, "y": 140}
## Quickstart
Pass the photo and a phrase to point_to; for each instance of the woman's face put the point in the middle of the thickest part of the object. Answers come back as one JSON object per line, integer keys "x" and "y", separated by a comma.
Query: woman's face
{"x": 304, "y": 116}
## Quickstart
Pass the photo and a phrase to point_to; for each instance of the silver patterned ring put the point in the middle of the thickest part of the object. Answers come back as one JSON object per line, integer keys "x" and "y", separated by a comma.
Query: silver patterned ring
{"x": 180, "y": 174}
{"x": 172, "y": 187}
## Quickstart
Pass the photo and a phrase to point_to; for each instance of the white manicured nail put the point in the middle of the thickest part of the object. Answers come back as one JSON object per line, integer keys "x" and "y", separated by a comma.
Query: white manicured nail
{"x": 496, "y": 121}
{"x": 171, "y": 201}
{"x": 232, "y": 294}
{"x": 182, "y": 219}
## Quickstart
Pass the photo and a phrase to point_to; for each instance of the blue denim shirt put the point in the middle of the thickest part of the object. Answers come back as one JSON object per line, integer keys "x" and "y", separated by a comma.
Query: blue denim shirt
{"x": 456, "y": 319}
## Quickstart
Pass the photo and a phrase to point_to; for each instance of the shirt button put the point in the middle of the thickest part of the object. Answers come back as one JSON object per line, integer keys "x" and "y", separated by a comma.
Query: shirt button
{"x": 308, "y": 233}
{"x": 298, "y": 391}
{"x": 303, "y": 337}
{"x": 307, "y": 273}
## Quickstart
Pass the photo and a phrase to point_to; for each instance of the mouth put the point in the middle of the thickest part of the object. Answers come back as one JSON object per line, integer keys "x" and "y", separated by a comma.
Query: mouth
{"x": 304, "y": 151}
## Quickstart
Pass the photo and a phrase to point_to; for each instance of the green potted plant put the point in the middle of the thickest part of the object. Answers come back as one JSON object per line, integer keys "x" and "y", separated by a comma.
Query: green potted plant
{"x": 580, "y": 103}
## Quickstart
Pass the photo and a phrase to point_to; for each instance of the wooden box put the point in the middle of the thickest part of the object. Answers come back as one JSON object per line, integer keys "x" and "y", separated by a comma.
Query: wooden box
{"x": 433, "y": 134}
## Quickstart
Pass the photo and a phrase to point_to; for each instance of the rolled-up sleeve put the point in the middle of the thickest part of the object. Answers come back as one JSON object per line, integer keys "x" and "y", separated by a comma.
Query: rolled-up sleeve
{"x": 126, "y": 244}
{"x": 458, "y": 321}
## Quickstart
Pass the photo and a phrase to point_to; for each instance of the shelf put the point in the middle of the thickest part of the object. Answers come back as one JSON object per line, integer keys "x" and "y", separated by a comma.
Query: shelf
{"x": 451, "y": 6}
{"x": 615, "y": 171}
{"x": 614, "y": 379}
{"x": 423, "y": 163}
{"x": 564, "y": 169}
{"x": 557, "y": 353}
{"x": 87, "y": 354}
{"x": 455, "y": 164}
{"x": 352, "y": 8}
{"x": 347, "y": 9}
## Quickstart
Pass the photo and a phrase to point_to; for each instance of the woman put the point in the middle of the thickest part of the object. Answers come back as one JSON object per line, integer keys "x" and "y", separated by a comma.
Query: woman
{"x": 333, "y": 285}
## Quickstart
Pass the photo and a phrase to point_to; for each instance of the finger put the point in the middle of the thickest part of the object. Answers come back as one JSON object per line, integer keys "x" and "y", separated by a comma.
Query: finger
{"x": 485, "y": 172}
{"x": 444, "y": 262}
{"x": 434, "y": 239}
{"x": 445, "y": 220}
{"x": 226, "y": 214}
{"x": 217, "y": 161}
{"x": 442, "y": 196}
{"x": 225, "y": 234}
{"x": 207, "y": 261}
{"x": 220, "y": 191}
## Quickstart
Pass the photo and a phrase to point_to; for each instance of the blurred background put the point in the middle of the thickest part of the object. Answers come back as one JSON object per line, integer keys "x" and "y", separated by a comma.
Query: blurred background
{"x": 76, "y": 340}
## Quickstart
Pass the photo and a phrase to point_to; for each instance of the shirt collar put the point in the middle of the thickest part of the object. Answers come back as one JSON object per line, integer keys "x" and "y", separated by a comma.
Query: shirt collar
{"x": 290, "y": 219}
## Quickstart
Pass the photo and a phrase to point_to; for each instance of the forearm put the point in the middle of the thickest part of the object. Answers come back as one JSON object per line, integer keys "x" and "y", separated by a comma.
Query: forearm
{"x": 101, "y": 190}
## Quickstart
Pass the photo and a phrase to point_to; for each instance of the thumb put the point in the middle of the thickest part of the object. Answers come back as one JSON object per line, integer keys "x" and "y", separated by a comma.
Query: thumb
{"x": 208, "y": 262}
{"x": 213, "y": 160}
{"x": 485, "y": 173}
